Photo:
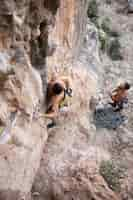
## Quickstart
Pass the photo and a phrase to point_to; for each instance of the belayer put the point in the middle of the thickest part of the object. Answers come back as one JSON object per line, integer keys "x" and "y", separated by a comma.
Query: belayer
{"x": 119, "y": 96}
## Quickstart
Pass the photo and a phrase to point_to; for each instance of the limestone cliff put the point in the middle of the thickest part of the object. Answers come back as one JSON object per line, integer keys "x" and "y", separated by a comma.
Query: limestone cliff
{"x": 39, "y": 39}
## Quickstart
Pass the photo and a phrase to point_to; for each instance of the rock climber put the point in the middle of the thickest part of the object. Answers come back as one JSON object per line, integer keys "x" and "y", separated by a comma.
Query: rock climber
{"x": 57, "y": 90}
{"x": 119, "y": 96}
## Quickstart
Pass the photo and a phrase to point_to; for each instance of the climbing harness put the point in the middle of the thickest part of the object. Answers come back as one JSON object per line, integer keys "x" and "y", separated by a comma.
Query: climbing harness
{"x": 67, "y": 93}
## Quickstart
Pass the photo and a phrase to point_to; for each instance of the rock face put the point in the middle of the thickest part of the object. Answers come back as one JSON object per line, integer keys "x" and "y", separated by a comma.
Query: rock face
{"x": 21, "y": 94}
{"x": 68, "y": 157}
{"x": 80, "y": 181}
{"x": 119, "y": 142}
{"x": 39, "y": 39}
{"x": 76, "y": 146}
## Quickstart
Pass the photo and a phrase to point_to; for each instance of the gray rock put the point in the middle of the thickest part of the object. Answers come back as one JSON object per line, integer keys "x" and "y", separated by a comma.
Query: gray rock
{"x": 5, "y": 66}
{"x": 130, "y": 5}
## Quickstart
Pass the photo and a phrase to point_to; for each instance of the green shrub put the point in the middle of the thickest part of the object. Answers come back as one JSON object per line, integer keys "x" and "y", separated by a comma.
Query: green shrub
{"x": 114, "y": 48}
{"x": 103, "y": 38}
{"x": 108, "y": 2}
{"x": 1, "y": 129}
{"x": 94, "y": 20}
{"x": 114, "y": 33}
{"x": 111, "y": 174}
{"x": 93, "y": 11}
{"x": 109, "y": 38}
{"x": 4, "y": 77}
{"x": 106, "y": 26}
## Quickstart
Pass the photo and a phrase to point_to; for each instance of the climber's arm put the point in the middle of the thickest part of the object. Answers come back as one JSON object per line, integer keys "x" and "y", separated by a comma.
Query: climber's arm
{"x": 67, "y": 81}
{"x": 53, "y": 111}
{"x": 50, "y": 115}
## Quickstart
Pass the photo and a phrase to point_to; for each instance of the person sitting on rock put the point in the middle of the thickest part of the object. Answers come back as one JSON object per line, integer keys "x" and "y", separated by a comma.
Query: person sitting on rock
{"x": 119, "y": 96}
{"x": 57, "y": 90}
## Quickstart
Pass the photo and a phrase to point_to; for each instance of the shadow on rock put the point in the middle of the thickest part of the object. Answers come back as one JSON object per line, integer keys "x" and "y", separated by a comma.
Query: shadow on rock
{"x": 105, "y": 117}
